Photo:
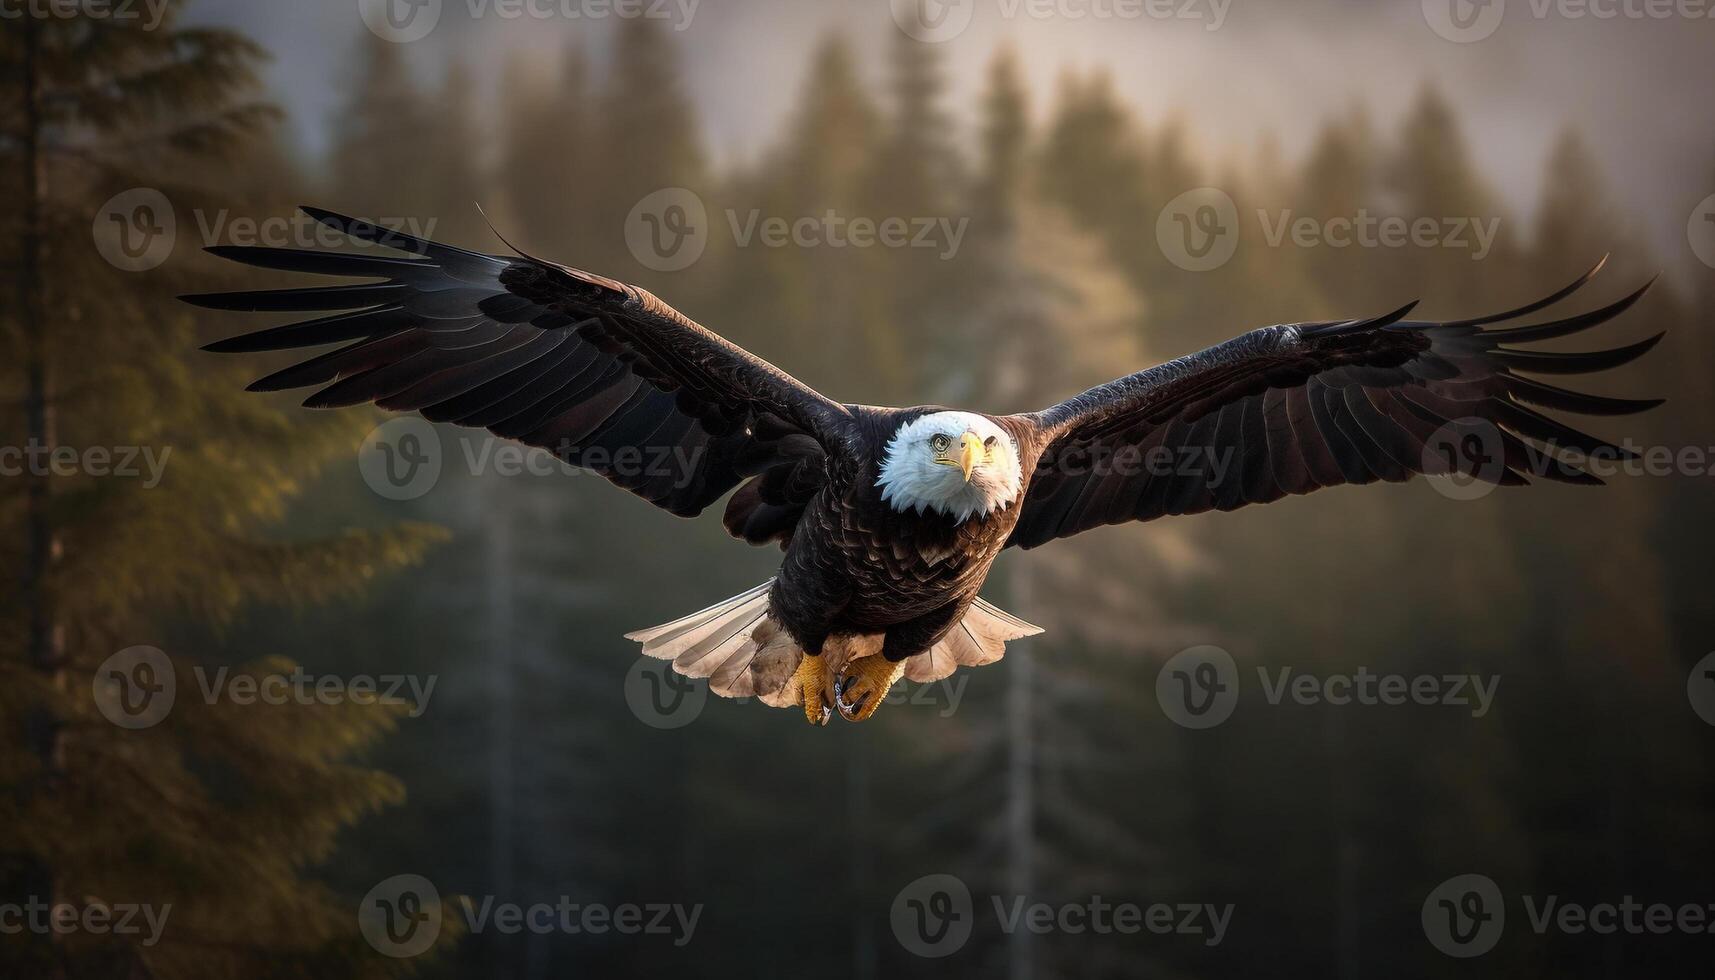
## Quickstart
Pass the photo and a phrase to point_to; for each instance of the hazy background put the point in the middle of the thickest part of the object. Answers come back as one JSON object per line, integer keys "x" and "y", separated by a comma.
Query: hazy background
{"x": 547, "y": 763}
{"x": 1271, "y": 71}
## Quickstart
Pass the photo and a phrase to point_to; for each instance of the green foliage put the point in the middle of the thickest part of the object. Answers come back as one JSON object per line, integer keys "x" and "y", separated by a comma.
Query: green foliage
{"x": 223, "y": 811}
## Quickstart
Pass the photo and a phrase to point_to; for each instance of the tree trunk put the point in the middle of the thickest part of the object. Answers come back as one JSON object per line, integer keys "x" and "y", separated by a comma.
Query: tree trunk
{"x": 45, "y": 646}
{"x": 46, "y": 643}
{"x": 501, "y": 564}
{"x": 1021, "y": 784}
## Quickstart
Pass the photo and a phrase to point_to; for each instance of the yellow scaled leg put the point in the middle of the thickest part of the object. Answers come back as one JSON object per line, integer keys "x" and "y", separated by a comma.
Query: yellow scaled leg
{"x": 814, "y": 683}
{"x": 864, "y": 684}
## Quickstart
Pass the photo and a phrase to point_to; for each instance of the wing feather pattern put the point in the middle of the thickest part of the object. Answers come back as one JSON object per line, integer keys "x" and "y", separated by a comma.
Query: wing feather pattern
{"x": 602, "y": 374}
{"x": 1294, "y": 408}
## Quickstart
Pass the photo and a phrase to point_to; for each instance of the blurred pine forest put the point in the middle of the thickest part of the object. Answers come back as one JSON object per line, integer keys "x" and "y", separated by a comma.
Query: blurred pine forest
{"x": 1053, "y": 774}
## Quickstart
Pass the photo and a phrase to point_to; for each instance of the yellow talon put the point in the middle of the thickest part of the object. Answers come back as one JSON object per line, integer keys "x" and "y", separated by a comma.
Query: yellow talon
{"x": 864, "y": 685}
{"x": 814, "y": 683}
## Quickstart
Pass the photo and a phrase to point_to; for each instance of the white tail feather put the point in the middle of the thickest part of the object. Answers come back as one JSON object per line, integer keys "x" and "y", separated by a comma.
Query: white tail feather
{"x": 745, "y": 653}
{"x": 980, "y": 638}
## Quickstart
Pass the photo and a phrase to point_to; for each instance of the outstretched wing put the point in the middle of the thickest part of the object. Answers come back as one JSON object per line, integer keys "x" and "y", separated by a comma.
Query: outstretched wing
{"x": 603, "y": 374}
{"x": 1293, "y": 408}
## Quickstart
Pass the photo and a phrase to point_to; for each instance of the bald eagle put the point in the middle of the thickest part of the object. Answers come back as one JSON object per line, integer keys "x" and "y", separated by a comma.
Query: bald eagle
{"x": 890, "y": 518}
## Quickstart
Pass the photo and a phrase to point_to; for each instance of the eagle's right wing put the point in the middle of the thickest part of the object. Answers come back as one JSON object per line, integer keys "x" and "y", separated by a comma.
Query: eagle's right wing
{"x": 604, "y": 375}
{"x": 1293, "y": 408}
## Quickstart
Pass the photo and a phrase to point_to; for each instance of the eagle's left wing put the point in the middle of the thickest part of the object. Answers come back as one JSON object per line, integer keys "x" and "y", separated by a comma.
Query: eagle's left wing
{"x": 602, "y": 374}
{"x": 1294, "y": 408}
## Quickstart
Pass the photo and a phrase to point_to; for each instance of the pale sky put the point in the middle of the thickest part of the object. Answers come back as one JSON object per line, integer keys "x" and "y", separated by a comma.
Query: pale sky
{"x": 1638, "y": 87}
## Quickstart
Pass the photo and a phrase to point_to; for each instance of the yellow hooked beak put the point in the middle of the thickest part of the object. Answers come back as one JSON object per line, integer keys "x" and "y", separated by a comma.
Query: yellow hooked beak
{"x": 969, "y": 453}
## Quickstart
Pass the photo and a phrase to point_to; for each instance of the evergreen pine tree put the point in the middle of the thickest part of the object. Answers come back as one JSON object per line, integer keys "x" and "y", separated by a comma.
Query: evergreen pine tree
{"x": 1006, "y": 146}
{"x": 646, "y": 140}
{"x": 916, "y": 176}
{"x": 402, "y": 158}
{"x": 220, "y": 809}
{"x": 547, "y": 154}
{"x": 820, "y": 166}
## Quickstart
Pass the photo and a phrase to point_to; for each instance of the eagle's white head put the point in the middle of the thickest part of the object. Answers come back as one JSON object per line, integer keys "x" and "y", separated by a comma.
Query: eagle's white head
{"x": 959, "y": 464}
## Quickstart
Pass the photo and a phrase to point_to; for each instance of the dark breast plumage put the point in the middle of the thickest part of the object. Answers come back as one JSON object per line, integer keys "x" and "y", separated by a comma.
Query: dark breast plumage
{"x": 894, "y": 566}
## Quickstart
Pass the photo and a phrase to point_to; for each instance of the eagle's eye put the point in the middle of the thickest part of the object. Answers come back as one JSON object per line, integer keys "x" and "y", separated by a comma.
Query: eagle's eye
{"x": 940, "y": 443}
{"x": 989, "y": 442}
